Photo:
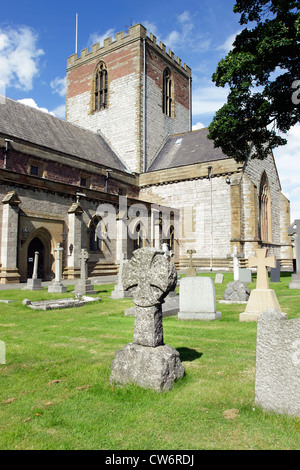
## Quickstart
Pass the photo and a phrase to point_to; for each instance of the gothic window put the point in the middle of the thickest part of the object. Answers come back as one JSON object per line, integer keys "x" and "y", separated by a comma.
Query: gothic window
{"x": 100, "y": 87}
{"x": 265, "y": 225}
{"x": 138, "y": 241}
{"x": 97, "y": 235}
{"x": 167, "y": 92}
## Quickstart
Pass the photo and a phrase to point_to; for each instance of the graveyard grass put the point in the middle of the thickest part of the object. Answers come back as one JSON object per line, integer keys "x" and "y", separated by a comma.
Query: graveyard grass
{"x": 55, "y": 391}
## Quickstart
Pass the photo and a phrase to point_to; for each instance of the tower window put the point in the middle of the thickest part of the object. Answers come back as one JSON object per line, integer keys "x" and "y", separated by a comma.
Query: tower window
{"x": 100, "y": 87}
{"x": 265, "y": 224}
{"x": 167, "y": 92}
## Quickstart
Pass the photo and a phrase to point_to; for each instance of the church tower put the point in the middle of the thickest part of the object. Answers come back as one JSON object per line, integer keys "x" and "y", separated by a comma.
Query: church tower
{"x": 133, "y": 92}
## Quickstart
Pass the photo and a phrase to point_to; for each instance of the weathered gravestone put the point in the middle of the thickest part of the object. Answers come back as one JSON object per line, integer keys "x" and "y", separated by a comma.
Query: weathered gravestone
{"x": 245, "y": 275}
{"x": 219, "y": 278}
{"x": 262, "y": 298}
{"x": 34, "y": 283}
{"x": 275, "y": 272}
{"x": 294, "y": 231}
{"x": 236, "y": 291}
{"x": 277, "y": 380}
{"x": 147, "y": 361}
{"x": 119, "y": 291}
{"x": 84, "y": 285}
{"x": 57, "y": 285}
{"x": 191, "y": 271}
{"x": 197, "y": 299}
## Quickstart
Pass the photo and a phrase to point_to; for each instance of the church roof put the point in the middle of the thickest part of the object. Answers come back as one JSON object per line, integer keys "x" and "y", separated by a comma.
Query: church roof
{"x": 187, "y": 149}
{"x": 23, "y": 122}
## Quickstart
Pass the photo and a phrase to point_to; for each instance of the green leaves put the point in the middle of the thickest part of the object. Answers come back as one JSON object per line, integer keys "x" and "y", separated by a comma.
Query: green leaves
{"x": 259, "y": 71}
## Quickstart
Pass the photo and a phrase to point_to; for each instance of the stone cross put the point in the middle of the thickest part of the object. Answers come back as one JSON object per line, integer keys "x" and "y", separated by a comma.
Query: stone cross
{"x": 57, "y": 285}
{"x": 59, "y": 249}
{"x": 167, "y": 252}
{"x": 147, "y": 361}
{"x": 262, "y": 262}
{"x": 235, "y": 255}
{"x": 149, "y": 277}
{"x": 35, "y": 265}
{"x": 294, "y": 231}
{"x": 83, "y": 265}
{"x": 191, "y": 270}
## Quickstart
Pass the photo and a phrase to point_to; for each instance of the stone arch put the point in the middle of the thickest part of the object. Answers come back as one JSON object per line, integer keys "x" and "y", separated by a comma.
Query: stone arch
{"x": 41, "y": 239}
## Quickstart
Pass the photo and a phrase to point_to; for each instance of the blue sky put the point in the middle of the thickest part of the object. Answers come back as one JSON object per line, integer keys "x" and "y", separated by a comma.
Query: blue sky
{"x": 36, "y": 37}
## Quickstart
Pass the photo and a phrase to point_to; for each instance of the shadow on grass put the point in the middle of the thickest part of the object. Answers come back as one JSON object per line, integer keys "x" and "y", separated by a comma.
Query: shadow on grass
{"x": 187, "y": 354}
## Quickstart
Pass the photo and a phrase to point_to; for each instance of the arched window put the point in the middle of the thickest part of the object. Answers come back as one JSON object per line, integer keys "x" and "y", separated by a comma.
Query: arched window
{"x": 100, "y": 87}
{"x": 167, "y": 92}
{"x": 97, "y": 235}
{"x": 265, "y": 224}
{"x": 138, "y": 236}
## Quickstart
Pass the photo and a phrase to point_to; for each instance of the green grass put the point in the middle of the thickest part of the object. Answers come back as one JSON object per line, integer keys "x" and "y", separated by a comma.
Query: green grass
{"x": 55, "y": 391}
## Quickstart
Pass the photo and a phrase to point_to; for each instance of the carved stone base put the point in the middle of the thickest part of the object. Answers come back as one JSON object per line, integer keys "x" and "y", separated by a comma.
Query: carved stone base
{"x": 153, "y": 368}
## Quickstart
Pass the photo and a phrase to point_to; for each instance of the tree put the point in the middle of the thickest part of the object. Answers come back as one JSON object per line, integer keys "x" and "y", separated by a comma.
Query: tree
{"x": 262, "y": 71}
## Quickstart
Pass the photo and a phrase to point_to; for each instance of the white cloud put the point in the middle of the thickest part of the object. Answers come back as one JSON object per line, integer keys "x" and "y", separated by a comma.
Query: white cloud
{"x": 59, "y": 111}
{"x": 97, "y": 37}
{"x": 19, "y": 57}
{"x": 198, "y": 125}
{"x": 30, "y": 102}
{"x": 228, "y": 43}
{"x": 58, "y": 86}
{"x": 208, "y": 99}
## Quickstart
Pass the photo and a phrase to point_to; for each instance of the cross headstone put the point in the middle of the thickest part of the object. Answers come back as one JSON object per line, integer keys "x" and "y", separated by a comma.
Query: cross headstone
{"x": 34, "y": 283}
{"x": 167, "y": 252}
{"x": 147, "y": 361}
{"x": 191, "y": 270}
{"x": 84, "y": 285}
{"x": 294, "y": 231}
{"x": 119, "y": 292}
{"x": 235, "y": 256}
{"x": 261, "y": 298}
{"x": 57, "y": 285}
{"x": 261, "y": 262}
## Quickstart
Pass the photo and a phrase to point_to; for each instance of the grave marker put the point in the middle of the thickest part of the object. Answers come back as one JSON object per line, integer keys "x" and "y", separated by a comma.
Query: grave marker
{"x": 261, "y": 298}
{"x": 57, "y": 285}
{"x": 147, "y": 361}
{"x": 84, "y": 285}
{"x": 191, "y": 271}
{"x": 294, "y": 231}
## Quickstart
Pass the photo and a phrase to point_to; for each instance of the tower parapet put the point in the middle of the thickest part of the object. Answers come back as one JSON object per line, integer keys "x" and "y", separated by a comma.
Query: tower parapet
{"x": 136, "y": 32}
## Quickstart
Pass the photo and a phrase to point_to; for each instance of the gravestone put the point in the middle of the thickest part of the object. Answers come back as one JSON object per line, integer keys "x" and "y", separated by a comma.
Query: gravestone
{"x": 262, "y": 298}
{"x": 147, "y": 361}
{"x": 294, "y": 231}
{"x": 275, "y": 272}
{"x": 119, "y": 292}
{"x": 84, "y": 285}
{"x": 219, "y": 278}
{"x": 197, "y": 299}
{"x": 191, "y": 271}
{"x": 236, "y": 292}
{"x": 235, "y": 256}
{"x": 57, "y": 285}
{"x": 245, "y": 275}
{"x": 277, "y": 380}
{"x": 34, "y": 283}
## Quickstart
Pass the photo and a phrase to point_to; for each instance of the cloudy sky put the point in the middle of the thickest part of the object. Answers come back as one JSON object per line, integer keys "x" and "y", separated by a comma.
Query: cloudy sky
{"x": 36, "y": 37}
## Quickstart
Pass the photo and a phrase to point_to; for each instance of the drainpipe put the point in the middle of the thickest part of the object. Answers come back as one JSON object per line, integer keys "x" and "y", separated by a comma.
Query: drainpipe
{"x": 144, "y": 105}
{"x": 211, "y": 220}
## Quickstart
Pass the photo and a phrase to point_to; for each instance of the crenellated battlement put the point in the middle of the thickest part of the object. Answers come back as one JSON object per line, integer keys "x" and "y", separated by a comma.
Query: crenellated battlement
{"x": 136, "y": 32}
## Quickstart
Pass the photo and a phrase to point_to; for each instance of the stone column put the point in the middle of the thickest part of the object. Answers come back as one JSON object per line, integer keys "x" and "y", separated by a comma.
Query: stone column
{"x": 74, "y": 240}
{"x": 9, "y": 239}
{"x": 57, "y": 285}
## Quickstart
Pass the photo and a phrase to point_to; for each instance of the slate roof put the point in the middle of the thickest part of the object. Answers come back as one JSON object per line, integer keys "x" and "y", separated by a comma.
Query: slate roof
{"x": 187, "y": 149}
{"x": 23, "y": 122}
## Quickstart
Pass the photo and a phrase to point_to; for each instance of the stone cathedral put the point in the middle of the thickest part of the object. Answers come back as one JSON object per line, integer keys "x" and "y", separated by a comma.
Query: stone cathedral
{"x": 126, "y": 156}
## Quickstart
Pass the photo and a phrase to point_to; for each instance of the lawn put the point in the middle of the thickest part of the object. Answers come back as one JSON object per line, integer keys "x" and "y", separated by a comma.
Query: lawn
{"x": 55, "y": 391}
